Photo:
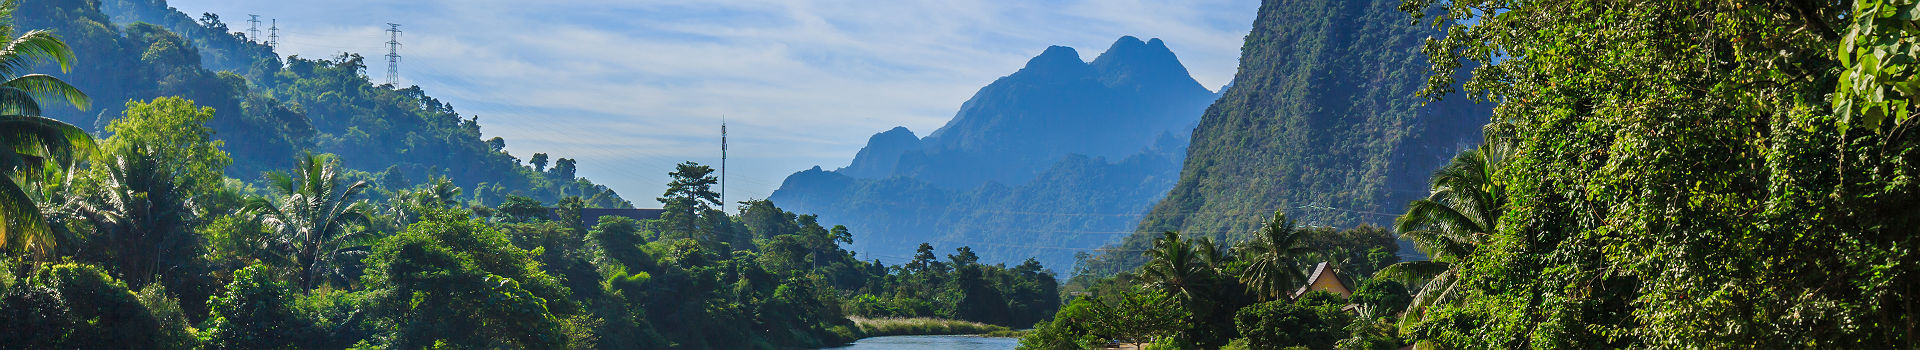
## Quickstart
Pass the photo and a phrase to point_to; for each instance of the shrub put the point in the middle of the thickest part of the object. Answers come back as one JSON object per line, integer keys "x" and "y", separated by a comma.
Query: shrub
{"x": 1279, "y": 324}
{"x": 75, "y": 306}
{"x": 176, "y": 331}
{"x": 256, "y": 312}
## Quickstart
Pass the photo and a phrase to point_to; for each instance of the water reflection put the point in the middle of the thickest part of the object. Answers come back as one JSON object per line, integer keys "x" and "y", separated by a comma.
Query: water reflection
{"x": 932, "y": 342}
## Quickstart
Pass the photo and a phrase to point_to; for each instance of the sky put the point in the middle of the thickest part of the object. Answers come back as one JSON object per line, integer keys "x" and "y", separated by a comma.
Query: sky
{"x": 630, "y": 88}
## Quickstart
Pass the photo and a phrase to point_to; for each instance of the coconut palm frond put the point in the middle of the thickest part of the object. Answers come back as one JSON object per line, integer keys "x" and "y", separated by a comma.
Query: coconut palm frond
{"x": 47, "y": 87}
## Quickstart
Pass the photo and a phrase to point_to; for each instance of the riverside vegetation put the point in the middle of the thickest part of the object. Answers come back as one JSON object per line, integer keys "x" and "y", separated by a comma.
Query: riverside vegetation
{"x": 142, "y": 237}
{"x": 1655, "y": 174}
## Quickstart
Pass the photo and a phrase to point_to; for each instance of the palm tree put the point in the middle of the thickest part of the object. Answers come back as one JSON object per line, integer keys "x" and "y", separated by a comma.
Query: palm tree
{"x": 1176, "y": 268}
{"x": 1275, "y": 259}
{"x": 1464, "y": 208}
{"x": 406, "y": 206}
{"x": 31, "y": 139}
{"x": 21, "y": 92}
{"x": 142, "y": 212}
{"x": 317, "y": 216}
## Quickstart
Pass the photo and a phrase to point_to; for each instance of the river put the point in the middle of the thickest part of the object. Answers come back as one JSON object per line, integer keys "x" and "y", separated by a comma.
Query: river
{"x": 933, "y": 342}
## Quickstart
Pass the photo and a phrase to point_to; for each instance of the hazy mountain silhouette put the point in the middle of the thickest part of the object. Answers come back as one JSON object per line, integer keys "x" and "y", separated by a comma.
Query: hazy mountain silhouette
{"x": 1032, "y": 165}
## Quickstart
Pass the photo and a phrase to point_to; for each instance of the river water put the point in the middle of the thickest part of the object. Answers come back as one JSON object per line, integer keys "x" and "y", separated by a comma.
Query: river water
{"x": 933, "y": 342}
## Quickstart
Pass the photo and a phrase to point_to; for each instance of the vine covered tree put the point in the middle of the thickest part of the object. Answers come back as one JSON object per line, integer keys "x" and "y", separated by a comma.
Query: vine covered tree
{"x": 1688, "y": 174}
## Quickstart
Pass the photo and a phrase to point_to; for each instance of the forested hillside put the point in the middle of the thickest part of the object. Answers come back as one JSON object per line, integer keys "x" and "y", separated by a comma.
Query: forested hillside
{"x": 1058, "y": 157}
{"x": 1322, "y": 122}
{"x": 277, "y": 107}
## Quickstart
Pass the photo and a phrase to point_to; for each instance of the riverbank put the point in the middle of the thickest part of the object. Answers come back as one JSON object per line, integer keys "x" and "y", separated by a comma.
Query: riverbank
{"x": 932, "y": 342}
{"x": 881, "y": 327}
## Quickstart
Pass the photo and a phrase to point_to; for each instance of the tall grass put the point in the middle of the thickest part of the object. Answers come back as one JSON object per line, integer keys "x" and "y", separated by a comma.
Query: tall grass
{"x": 880, "y": 327}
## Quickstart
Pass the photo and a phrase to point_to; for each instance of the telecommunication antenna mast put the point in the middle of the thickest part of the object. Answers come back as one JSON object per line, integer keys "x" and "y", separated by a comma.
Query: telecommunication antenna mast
{"x": 253, "y": 29}
{"x": 393, "y": 54}
{"x": 723, "y": 163}
{"x": 273, "y": 40}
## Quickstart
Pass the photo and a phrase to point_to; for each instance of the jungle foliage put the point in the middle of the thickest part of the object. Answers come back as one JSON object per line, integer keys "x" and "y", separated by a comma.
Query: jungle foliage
{"x": 1197, "y": 293}
{"x": 142, "y": 238}
{"x": 143, "y": 255}
{"x": 397, "y": 136}
{"x": 1687, "y": 174}
{"x": 1656, "y": 174}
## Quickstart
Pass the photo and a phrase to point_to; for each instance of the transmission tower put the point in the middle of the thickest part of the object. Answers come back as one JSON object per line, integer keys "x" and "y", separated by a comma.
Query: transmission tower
{"x": 273, "y": 40}
{"x": 393, "y": 54}
{"x": 253, "y": 29}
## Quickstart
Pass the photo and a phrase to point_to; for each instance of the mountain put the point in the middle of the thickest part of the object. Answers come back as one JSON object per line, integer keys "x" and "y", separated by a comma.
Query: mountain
{"x": 882, "y": 154}
{"x": 1321, "y": 121}
{"x": 1056, "y": 105}
{"x": 1059, "y": 157}
{"x": 268, "y": 108}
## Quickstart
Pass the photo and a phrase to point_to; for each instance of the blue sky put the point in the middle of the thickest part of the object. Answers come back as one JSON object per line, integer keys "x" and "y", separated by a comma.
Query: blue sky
{"x": 631, "y": 87}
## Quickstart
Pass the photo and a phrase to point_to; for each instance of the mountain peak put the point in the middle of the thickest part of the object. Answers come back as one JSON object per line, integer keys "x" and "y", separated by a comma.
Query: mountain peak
{"x": 1055, "y": 57}
{"x": 1129, "y": 48}
{"x": 882, "y": 153}
{"x": 1127, "y": 43}
{"x": 1133, "y": 62}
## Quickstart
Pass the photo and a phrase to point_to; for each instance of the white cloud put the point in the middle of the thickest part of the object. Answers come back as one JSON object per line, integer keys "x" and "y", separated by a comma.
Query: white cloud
{"x": 631, "y": 88}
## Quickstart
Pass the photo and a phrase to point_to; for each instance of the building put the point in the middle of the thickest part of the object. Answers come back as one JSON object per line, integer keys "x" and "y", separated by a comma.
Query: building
{"x": 1325, "y": 279}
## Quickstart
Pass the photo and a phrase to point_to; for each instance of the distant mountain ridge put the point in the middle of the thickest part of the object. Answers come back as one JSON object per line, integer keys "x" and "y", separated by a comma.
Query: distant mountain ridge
{"x": 1016, "y": 171}
{"x": 1057, "y": 105}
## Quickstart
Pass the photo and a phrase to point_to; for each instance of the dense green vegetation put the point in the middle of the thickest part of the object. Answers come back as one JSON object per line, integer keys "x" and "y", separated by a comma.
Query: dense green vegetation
{"x": 961, "y": 288}
{"x": 1322, "y": 121}
{"x": 1711, "y": 174}
{"x": 1655, "y": 174}
{"x": 142, "y": 238}
{"x": 397, "y": 137}
{"x": 309, "y": 262}
{"x": 924, "y": 326}
{"x": 1705, "y": 174}
{"x": 1197, "y": 293}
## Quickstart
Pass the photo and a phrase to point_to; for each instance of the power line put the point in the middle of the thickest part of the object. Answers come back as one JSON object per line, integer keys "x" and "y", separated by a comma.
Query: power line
{"x": 653, "y": 163}
{"x": 393, "y": 54}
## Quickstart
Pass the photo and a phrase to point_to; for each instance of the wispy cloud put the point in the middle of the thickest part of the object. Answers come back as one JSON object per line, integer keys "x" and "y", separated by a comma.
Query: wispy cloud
{"x": 632, "y": 87}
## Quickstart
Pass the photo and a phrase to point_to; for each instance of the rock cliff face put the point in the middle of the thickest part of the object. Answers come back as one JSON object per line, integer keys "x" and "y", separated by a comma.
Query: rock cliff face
{"x": 1321, "y": 121}
{"x": 1018, "y": 169}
